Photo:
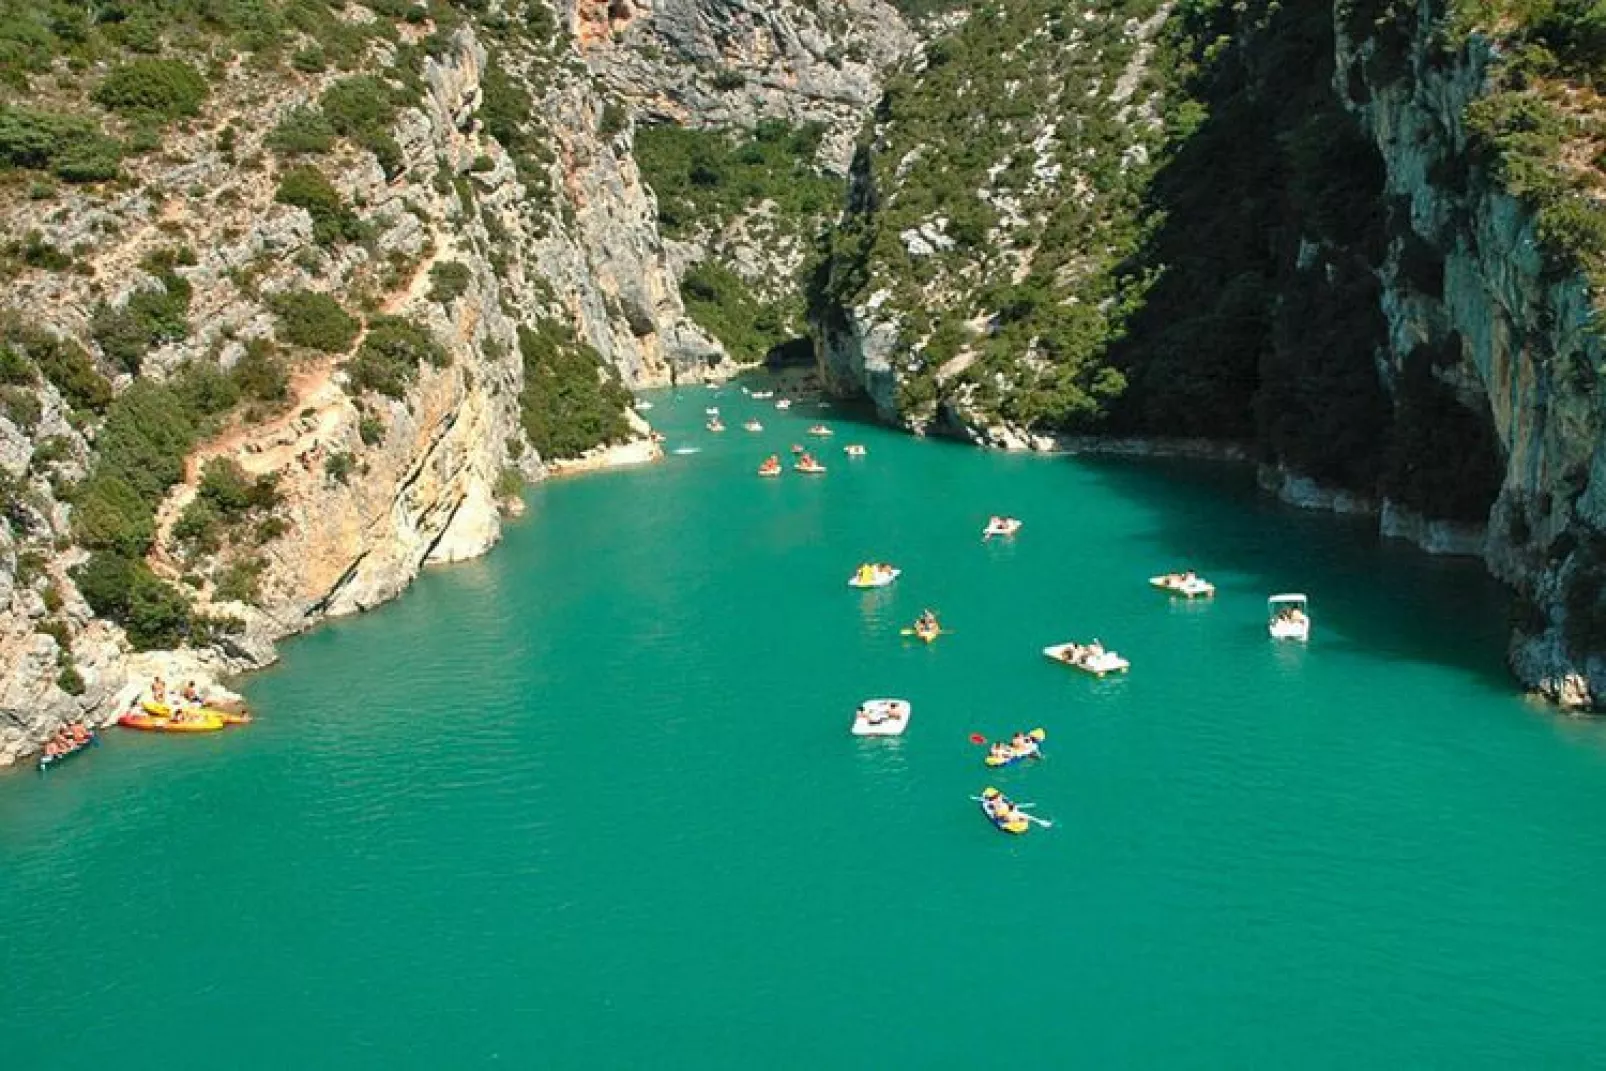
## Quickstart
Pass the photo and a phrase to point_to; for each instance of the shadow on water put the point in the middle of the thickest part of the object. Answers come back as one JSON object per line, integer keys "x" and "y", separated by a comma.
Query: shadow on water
{"x": 1368, "y": 594}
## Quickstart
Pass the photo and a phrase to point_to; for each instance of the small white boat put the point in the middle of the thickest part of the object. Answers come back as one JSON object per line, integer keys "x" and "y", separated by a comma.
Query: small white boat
{"x": 873, "y": 576}
{"x": 853, "y": 450}
{"x": 783, "y": 404}
{"x": 1000, "y": 526}
{"x": 715, "y": 425}
{"x": 684, "y": 450}
{"x": 882, "y": 717}
{"x": 1288, "y": 617}
{"x": 1089, "y": 658}
{"x": 642, "y": 406}
{"x": 712, "y": 410}
{"x": 763, "y": 395}
{"x": 1185, "y": 584}
{"x": 821, "y": 430}
{"x": 753, "y": 425}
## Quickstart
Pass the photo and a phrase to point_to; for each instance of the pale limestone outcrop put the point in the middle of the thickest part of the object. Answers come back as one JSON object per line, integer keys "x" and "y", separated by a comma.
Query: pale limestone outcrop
{"x": 425, "y": 488}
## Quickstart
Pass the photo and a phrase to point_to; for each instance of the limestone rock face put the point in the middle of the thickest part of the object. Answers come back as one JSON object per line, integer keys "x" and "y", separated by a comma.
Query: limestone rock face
{"x": 735, "y": 62}
{"x": 1526, "y": 337}
{"x": 372, "y": 487}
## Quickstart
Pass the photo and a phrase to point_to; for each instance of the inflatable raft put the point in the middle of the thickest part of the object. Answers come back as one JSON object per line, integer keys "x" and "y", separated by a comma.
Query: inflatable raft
{"x": 1001, "y": 812}
{"x": 1018, "y": 754}
{"x": 882, "y": 717}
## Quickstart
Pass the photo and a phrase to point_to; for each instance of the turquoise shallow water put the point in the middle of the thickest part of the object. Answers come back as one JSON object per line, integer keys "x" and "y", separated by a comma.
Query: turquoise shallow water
{"x": 591, "y": 801}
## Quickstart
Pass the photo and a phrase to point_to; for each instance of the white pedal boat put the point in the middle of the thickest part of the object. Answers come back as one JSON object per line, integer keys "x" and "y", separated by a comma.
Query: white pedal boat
{"x": 1184, "y": 584}
{"x": 879, "y": 578}
{"x": 753, "y": 425}
{"x": 1089, "y": 658}
{"x": 1003, "y": 526}
{"x": 882, "y": 717}
{"x": 783, "y": 404}
{"x": 1288, "y": 617}
{"x": 853, "y": 450}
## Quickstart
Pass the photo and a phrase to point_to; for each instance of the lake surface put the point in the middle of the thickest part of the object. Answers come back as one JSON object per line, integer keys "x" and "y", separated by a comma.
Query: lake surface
{"x": 591, "y": 801}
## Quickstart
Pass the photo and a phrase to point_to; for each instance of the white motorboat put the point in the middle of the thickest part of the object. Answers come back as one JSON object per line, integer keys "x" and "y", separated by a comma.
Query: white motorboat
{"x": 1288, "y": 617}
{"x": 763, "y": 395}
{"x": 882, "y": 717}
{"x": 1186, "y": 584}
{"x": 1089, "y": 658}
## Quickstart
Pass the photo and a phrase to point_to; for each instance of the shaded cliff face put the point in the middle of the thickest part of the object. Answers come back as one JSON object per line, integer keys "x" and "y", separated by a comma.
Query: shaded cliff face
{"x": 1518, "y": 335}
{"x": 385, "y": 449}
{"x": 1328, "y": 264}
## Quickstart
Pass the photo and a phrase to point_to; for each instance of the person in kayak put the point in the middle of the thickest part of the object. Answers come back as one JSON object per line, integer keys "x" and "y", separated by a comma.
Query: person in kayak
{"x": 927, "y": 622}
{"x": 190, "y": 695}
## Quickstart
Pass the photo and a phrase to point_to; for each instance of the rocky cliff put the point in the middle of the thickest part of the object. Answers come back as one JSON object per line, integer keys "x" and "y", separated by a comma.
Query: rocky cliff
{"x": 376, "y": 461}
{"x": 1362, "y": 249}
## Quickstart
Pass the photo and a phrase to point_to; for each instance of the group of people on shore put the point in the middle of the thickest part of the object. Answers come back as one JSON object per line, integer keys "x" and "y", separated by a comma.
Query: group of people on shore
{"x": 182, "y": 705}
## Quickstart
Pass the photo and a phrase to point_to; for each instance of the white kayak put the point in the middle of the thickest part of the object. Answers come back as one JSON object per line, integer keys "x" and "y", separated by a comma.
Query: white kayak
{"x": 1078, "y": 656}
{"x": 882, "y": 717}
{"x": 879, "y": 578}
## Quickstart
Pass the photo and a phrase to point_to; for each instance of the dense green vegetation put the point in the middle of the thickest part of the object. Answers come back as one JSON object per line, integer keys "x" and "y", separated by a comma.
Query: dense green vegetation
{"x": 571, "y": 400}
{"x": 149, "y": 317}
{"x": 314, "y": 320}
{"x": 706, "y": 179}
{"x": 307, "y": 187}
{"x": 388, "y": 359}
{"x": 140, "y": 450}
{"x": 152, "y": 88}
{"x": 1024, "y": 191}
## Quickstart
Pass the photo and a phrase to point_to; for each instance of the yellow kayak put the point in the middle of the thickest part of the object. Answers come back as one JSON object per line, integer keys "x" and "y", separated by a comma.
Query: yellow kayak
{"x": 1001, "y": 812}
{"x": 162, "y": 710}
{"x": 200, "y": 723}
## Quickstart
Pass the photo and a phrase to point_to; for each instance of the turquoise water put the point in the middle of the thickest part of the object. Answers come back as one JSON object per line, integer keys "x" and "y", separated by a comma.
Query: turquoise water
{"x": 592, "y": 801}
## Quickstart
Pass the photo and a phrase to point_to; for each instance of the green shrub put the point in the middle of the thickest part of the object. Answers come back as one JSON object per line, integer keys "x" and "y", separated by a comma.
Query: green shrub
{"x": 147, "y": 319}
{"x": 65, "y": 364}
{"x": 371, "y": 430}
{"x": 309, "y": 60}
{"x": 338, "y": 465}
{"x": 71, "y": 147}
{"x": 571, "y": 401}
{"x": 313, "y": 320}
{"x": 722, "y": 304}
{"x": 20, "y": 405}
{"x": 225, "y": 486}
{"x": 614, "y": 119}
{"x": 363, "y": 109}
{"x": 70, "y": 680}
{"x": 240, "y": 581}
{"x": 308, "y": 188}
{"x": 199, "y": 527}
{"x": 303, "y": 129}
{"x": 15, "y": 369}
{"x": 260, "y": 373}
{"x": 727, "y": 79}
{"x": 388, "y": 359}
{"x": 163, "y": 88}
{"x": 449, "y": 280}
